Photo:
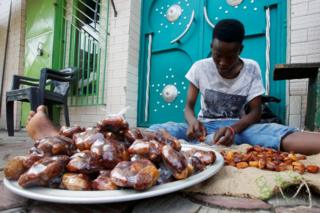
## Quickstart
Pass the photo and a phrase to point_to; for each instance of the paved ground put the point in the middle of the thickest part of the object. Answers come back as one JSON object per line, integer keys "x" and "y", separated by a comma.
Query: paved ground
{"x": 175, "y": 202}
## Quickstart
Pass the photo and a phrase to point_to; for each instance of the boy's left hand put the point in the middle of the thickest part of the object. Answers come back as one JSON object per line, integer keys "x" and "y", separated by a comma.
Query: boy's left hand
{"x": 224, "y": 136}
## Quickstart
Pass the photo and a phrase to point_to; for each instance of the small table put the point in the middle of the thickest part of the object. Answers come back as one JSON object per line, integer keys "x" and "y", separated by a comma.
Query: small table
{"x": 299, "y": 71}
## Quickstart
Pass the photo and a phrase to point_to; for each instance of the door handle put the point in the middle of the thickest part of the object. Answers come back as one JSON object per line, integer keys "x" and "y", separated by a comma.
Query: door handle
{"x": 206, "y": 17}
{"x": 185, "y": 30}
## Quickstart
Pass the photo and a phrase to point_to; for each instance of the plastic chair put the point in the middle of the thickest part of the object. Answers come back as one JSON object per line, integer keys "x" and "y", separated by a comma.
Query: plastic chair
{"x": 51, "y": 89}
{"x": 267, "y": 116}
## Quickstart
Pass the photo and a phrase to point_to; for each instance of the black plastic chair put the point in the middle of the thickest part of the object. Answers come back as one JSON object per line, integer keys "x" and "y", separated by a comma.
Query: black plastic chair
{"x": 51, "y": 89}
{"x": 267, "y": 116}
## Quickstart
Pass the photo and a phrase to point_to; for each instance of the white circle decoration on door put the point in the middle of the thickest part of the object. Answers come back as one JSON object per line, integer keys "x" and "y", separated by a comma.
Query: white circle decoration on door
{"x": 174, "y": 12}
{"x": 169, "y": 93}
{"x": 234, "y": 2}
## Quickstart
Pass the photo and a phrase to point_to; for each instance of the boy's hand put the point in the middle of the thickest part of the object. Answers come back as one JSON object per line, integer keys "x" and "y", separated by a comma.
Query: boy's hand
{"x": 196, "y": 130}
{"x": 224, "y": 136}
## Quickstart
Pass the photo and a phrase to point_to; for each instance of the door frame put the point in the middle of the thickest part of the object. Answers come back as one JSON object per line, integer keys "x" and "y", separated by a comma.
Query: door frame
{"x": 58, "y": 35}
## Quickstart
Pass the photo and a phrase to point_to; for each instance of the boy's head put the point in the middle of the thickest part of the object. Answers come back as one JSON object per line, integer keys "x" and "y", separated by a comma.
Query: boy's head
{"x": 226, "y": 46}
{"x": 229, "y": 30}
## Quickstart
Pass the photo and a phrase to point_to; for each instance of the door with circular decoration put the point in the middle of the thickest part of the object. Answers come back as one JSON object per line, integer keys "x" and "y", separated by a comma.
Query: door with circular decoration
{"x": 176, "y": 33}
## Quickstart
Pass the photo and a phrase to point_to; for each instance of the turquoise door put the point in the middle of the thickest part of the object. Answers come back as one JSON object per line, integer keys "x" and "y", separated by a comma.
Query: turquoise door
{"x": 176, "y": 33}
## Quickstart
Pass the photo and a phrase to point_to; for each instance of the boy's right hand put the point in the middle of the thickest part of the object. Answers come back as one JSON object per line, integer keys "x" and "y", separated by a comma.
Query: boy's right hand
{"x": 197, "y": 131}
{"x": 224, "y": 136}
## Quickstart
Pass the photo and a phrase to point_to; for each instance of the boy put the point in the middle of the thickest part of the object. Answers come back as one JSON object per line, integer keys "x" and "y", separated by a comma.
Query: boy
{"x": 227, "y": 83}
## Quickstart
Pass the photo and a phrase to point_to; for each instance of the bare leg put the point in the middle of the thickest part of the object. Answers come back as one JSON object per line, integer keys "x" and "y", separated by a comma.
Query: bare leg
{"x": 38, "y": 124}
{"x": 307, "y": 143}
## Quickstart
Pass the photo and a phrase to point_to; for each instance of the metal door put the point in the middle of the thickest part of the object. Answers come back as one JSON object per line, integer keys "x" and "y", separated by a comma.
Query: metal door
{"x": 169, "y": 47}
{"x": 40, "y": 31}
{"x": 176, "y": 33}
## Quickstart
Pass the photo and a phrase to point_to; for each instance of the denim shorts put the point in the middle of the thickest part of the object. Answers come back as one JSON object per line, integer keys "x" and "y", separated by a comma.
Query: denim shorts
{"x": 263, "y": 134}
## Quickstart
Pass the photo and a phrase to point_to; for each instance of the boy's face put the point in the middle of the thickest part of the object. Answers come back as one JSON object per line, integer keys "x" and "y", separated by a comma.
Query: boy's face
{"x": 226, "y": 56}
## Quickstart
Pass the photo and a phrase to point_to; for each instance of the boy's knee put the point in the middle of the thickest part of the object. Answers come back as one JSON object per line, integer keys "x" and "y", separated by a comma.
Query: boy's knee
{"x": 154, "y": 127}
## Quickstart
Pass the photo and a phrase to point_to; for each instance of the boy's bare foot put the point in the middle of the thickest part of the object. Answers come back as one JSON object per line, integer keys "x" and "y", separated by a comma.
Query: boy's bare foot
{"x": 39, "y": 125}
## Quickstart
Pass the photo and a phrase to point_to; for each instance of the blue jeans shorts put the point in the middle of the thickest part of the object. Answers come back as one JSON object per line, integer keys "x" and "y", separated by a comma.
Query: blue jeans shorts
{"x": 263, "y": 134}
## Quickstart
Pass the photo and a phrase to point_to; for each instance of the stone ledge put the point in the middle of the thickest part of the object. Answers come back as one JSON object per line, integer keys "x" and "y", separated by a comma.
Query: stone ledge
{"x": 170, "y": 203}
{"x": 15, "y": 210}
{"x": 66, "y": 208}
{"x": 297, "y": 209}
{"x": 232, "y": 202}
{"x": 9, "y": 200}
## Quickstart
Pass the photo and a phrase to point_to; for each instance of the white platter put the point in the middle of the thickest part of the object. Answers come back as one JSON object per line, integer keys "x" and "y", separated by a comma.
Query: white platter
{"x": 67, "y": 196}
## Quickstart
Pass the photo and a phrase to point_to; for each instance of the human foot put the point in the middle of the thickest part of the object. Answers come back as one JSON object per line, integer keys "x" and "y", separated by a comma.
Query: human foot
{"x": 39, "y": 126}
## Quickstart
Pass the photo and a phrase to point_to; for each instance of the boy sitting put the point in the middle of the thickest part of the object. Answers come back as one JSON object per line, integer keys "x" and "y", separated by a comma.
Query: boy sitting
{"x": 227, "y": 83}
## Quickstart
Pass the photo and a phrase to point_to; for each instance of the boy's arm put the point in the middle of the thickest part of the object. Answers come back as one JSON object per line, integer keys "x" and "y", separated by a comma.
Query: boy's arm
{"x": 191, "y": 101}
{"x": 252, "y": 117}
{"x": 194, "y": 126}
{"x": 225, "y": 135}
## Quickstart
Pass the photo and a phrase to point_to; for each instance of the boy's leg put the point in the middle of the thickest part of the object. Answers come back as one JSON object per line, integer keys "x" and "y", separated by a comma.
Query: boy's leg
{"x": 265, "y": 134}
{"x": 281, "y": 137}
{"x": 307, "y": 143}
{"x": 39, "y": 125}
{"x": 177, "y": 130}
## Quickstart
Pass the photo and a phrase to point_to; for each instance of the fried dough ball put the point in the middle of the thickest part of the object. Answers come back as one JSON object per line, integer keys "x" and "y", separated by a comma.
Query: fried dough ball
{"x": 132, "y": 134}
{"x": 103, "y": 181}
{"x": 70, "y": 131}
{"x": 139, "y": 174}
{"x": 135, "y": 157}
{"x": 149, "y": 149}
{"x": 85, "y": 139}
{"x": 44, "y": 171}
{"x": 199, "y": 159}
{"x": 15, "y": 167}
{"x": 113, "y": 152}
{"x": 84, "y": 162}
{"x": 166, "y": 139}
{"x": 57, "y": 145}
{"x": 165, "y": 174}
{"x": 162, "y": 137}
{"x": 34, "y": 155}
{"x": 206, "y": 157}
{"x": 76, "y": 182}
{"x": 114, "y": 124}
{"x": 97, "y": 146}
{"x": 195, "y": 165}
{"x": 175, "y": 161}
